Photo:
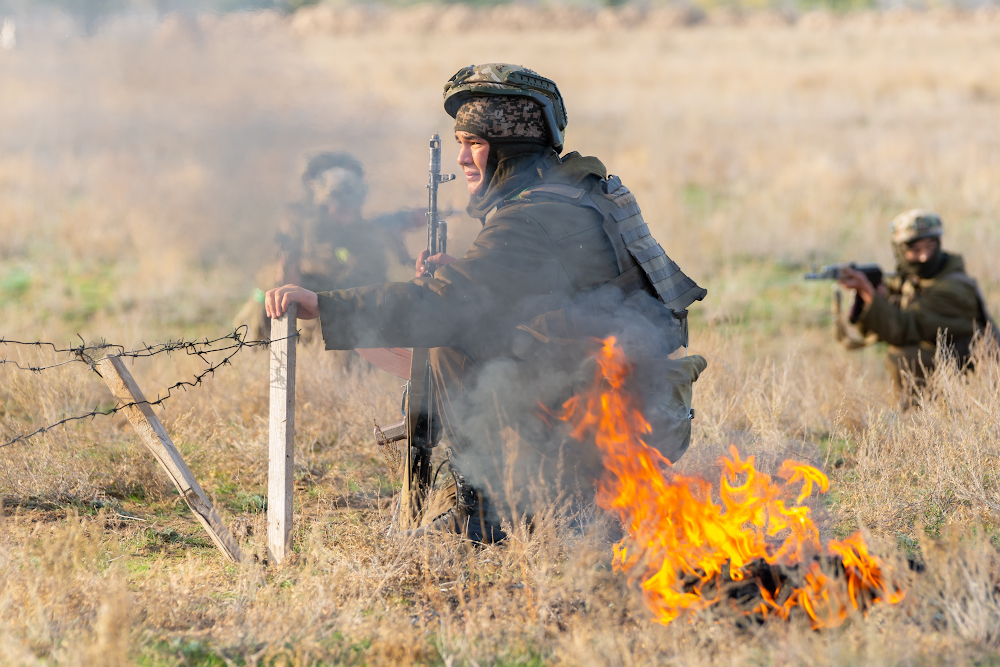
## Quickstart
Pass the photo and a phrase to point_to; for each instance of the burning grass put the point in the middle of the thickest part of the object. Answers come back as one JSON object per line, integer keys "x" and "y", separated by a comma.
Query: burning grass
{"x": 679, "y": 540}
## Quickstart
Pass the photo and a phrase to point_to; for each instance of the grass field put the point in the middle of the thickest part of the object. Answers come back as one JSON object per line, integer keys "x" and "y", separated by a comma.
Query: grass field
{"x": 143, "y": 173}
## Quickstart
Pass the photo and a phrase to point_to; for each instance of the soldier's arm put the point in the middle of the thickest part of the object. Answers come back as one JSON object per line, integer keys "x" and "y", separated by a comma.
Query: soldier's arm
{"x": 510, "y": 263}
{"x": 392, "y": 228}
{"x": 949, "y": 305}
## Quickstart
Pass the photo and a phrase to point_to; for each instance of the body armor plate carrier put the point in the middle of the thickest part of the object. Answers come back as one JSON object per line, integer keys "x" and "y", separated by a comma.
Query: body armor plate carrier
{"x": 643, "y": 264}
{"x": 662, "y": 381}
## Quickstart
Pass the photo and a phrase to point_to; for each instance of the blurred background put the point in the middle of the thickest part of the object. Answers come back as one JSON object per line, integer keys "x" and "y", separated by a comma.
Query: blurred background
{"x": 149, "y": 149}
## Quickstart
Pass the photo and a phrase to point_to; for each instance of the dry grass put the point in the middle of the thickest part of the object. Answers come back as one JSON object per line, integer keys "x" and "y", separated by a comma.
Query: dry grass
{"x": 139, "y": 188}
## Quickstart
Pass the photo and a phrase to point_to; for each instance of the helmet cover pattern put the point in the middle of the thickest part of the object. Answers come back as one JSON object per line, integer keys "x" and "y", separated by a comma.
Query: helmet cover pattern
{"x": 504, "y": 80}
{"x": 916, "y": 224}
{"x": 502, "y": 118}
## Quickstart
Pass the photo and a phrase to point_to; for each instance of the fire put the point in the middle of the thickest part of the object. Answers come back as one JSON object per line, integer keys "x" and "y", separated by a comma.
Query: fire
{"x": 679, "y": 539}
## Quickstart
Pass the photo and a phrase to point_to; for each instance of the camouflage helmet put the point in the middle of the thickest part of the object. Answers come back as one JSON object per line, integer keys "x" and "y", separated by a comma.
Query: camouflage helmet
{"x": 509, "y": 80}
{"x": 916, "y": 224}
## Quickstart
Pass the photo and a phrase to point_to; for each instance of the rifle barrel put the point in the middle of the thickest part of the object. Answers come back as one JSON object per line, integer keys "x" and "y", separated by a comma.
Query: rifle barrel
{"x": 437, "y": 229}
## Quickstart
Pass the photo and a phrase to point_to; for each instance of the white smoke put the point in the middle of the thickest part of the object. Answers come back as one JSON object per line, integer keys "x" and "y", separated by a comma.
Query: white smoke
{"x": 8, "y": 35}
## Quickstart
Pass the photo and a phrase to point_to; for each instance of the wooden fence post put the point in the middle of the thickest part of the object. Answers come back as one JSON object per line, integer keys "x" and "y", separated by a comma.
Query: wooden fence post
{"x": 281, "y": 437}
{"x": 150, "y": 430}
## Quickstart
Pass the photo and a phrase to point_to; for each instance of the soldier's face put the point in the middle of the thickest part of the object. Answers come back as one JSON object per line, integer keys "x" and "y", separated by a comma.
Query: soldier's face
{"x": 340, "y": 191}
{"x": 473, "y": 152}
{"x": 921, "y": 250}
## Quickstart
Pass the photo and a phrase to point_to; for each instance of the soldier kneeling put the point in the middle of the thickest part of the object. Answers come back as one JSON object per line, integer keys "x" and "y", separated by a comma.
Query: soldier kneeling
{"x": 563, "y": 256}
{"x": 930, "y": 293}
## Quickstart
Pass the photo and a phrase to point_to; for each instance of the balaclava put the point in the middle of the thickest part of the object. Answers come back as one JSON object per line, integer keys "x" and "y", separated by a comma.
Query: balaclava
{"x": 518, "y": 141}
{"x": 911, "y": 226}
{"x": 925, "y": 270}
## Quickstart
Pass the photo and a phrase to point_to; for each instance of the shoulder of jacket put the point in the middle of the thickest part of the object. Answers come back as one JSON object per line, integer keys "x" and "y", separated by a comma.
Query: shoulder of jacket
{"x": 543, "y": 198}
{"x": 951, "y": 285}
{"x": 954, "y": 279}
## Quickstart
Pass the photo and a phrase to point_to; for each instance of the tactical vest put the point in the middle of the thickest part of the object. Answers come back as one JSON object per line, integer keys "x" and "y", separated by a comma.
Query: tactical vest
{"x": 643, "y": 264}
{"x": 651, "y": 285}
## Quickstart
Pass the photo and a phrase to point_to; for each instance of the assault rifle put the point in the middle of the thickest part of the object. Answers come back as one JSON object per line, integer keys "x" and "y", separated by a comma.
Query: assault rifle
{"x": 421, "y": 427}
{"x": 437, "y": 229}
{"x": 844, "y": 334}
{"x": 834, "y": 272}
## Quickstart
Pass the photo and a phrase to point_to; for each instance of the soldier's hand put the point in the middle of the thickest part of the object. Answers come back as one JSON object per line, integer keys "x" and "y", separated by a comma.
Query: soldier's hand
{"x": 276, "y": 302}
{"x": 858, "y": 281}
{"x": 437, "y": 260}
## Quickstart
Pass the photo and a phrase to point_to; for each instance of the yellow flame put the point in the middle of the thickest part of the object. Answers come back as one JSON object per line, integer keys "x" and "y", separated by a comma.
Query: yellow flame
{"x": 676, "y": 530}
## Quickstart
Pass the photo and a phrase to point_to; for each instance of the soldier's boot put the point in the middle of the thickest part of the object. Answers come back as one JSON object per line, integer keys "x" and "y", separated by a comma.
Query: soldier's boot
{"x": 470, "y": 515}
{"x": 453, "y": 521}
{"x": 481, "y": 521}
{"x": 482, "y": 526}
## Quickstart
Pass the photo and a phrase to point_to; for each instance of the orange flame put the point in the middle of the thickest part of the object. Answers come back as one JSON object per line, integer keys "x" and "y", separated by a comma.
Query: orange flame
{"x": 678, "y": 534}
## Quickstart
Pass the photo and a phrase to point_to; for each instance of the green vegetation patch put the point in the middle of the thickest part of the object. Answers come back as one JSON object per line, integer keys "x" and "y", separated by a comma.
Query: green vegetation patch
{"x": 14, "y": 284}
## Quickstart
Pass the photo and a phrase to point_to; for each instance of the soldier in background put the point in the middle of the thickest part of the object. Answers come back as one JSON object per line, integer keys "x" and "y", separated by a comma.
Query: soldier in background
{"x": 931, "y": 293}
{"x": 324, "y": 243}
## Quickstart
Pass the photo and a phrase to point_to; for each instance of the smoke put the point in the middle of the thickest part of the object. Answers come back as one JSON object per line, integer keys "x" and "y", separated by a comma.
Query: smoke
{"x": 502, "y": 411}
{"x": 166, "y": 146}
{"x": 190, "y": 137}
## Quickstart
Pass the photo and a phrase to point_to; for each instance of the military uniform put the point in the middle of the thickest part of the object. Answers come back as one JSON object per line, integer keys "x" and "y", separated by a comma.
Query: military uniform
{"x": 923, "y": 301}
{"x": 319, "y": 251}
{"x": 330, "y": 254}
{"x": 508, "y": 323}
{"x": 530, "y": 255}
{"x": 916, "y": 309}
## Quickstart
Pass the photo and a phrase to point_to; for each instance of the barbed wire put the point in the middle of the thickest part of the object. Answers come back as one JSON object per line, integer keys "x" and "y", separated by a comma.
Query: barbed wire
{"x": 80, "y": 352}
{"x": 200, "y": 349}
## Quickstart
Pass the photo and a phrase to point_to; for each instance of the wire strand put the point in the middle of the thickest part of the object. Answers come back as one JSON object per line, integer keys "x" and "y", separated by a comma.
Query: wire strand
{"x": 199, "y": 349}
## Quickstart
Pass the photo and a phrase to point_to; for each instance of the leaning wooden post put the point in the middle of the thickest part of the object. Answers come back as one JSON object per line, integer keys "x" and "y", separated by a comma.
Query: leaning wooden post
{"x": 281, "y": 437}
{"x": 145, "y": 422}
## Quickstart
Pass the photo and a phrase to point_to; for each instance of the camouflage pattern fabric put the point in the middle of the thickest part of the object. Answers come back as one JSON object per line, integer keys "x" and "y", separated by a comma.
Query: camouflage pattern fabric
{"x": 916, "y": 224}
{"x": 502, "y": 118}
{"x": 489, "y": 75}
{"x": 320, "y": 254}
{"x": 503, "y": 80}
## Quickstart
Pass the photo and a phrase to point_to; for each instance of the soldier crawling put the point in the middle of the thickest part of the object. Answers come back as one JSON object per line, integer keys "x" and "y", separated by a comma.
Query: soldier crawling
{"x": 931, "y": 293}
{"x": 324, "y": 242}
{"x": 563, "y": 255}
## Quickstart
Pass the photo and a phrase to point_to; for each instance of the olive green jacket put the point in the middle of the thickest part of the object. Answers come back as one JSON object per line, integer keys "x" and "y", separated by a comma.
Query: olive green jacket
{"x": 917, "y": 308}
{"x": 529, "y": 257}
{"x": 328, "y": 254}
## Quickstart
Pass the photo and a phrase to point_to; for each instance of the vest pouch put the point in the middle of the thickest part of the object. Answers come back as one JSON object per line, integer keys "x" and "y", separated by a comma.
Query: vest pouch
{"x": 665, "y": 387}
{"x": 662, "y": 386}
